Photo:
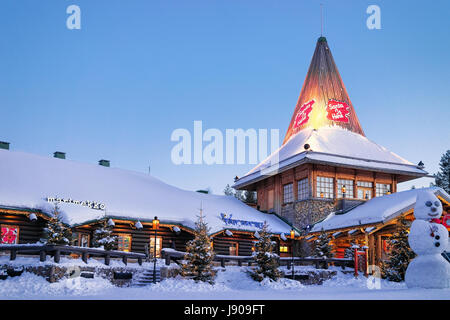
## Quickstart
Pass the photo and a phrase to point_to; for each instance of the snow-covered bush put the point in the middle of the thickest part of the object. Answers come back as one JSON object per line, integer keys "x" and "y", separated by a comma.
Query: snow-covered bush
{"x": 266, "y": 259}
{"x": 56, "y": 232}
{"x": 103, "y": 237}
{"x": 199, "y": 254}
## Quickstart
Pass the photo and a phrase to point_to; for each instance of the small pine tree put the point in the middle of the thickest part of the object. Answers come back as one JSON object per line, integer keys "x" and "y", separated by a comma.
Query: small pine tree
{"x": 322, "y": 247}
{"x": 56, "y": 232}
{"x": 228, "y": 191}
{"x": 239, "y": 194}
{"x": 250, "y": 196}
{"x": 400, "y": 254}
{"x": 349, "y": 252}
{"x": 103, "y": 237}
{"x": 443, "y": 176}
{"x": 266, "y": 259}
{"x": 199, "y": 254}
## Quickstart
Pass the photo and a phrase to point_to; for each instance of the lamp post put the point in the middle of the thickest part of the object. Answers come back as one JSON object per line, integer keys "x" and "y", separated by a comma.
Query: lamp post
{"x": 292, "y": 249}
{"x": 155, "y": 227}
{"x": 343, "y": 191}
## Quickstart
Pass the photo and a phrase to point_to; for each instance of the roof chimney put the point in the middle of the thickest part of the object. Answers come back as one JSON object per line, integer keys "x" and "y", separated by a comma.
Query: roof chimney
{"x": 104, "y": 163}
{"x": 59, "y": 155}
{"x": 4, "y": 145}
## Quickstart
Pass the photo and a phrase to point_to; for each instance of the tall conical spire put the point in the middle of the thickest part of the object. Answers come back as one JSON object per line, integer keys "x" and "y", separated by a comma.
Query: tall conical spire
{"x": 323, "y": 100}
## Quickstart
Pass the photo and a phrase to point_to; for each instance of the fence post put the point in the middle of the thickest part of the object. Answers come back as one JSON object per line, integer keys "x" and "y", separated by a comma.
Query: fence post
{"x": 356, "y": 262}
{"x": 124, "y": 259}
{"x": 167, "y": 258}
{"x": 42, "y": 255}
{"x": 107, "y": 259}
{"x": 222, "y": 263}
{"x": 366, "y": 259}
{"x": 84, "y": 256}
{"x": 57, "y": 256}
{"x": 12, "y": 254}
{"x": 140, "y": 261}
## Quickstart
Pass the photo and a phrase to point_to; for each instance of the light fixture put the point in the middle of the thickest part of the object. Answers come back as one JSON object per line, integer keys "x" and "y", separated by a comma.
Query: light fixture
{"x": 32, "y": 217}
{"x": 110, "y": 223}
{"x": 176, "y": 229}
{"x": 292, "y": 233}
{"x": 155, "y": 223}
{"x": 321, "y": 194}
{"x": 138, "y": 225}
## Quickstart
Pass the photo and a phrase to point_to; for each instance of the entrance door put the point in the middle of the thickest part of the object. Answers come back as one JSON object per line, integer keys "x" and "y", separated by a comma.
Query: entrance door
{"x": 364, "y": 193}
{"x": 234, "y": 249}
{"x": 158, "y": 247}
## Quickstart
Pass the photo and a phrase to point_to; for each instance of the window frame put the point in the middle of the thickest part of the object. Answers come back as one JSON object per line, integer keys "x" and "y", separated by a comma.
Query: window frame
{"x": 124, "y": 235}
{"x": 290, "y": 192}
{"x": 303, "y": 189}
{"x": 322, "y": 185}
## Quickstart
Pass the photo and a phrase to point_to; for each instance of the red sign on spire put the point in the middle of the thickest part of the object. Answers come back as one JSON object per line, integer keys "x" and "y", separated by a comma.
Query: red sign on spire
{"x": 337, "y": 111}
{"x": 302, "y": 115}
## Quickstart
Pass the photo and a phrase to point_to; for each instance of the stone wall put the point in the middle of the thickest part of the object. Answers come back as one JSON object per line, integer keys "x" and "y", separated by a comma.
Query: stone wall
{"x": 307, "y": 212}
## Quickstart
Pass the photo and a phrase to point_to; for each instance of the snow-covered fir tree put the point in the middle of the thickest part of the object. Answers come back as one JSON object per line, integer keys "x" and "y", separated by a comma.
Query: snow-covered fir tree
{"x": 103, "y": 237}
{"x": 266, "y": 259}
{"x": 322, "y": 247}
{"x": 56, "y": 232}
{"x": 349, "y": 252}
{"x": 228, "y": 191}
{"x": 199, "y": 254}
{"x": 250, "y": 196}
{"x": 443, "y": 176}
{"x": 400, "y": 254}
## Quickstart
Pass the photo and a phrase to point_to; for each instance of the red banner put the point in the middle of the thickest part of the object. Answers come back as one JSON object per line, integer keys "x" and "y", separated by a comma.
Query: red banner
{"x": 302, "y": 115}
{"x": 337, "y": 111}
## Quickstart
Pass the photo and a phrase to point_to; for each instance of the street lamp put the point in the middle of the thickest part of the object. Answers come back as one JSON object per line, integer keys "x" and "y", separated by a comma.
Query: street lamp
{"x": 343, "y": 191}
{"x": 292, "y": 249}
{"x": 155, "y": 227}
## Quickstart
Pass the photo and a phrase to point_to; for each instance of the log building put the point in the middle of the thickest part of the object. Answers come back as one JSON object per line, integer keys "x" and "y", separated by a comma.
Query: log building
{"x": 326, "y": 166}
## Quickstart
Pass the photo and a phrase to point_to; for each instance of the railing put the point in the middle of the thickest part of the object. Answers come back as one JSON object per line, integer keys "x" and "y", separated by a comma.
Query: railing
{"x": 173, "y": 255}
{"x": 56, "y": 251}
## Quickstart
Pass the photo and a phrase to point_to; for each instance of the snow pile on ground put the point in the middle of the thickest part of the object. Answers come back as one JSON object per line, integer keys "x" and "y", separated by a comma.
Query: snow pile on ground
{"x": 232, "y": 283}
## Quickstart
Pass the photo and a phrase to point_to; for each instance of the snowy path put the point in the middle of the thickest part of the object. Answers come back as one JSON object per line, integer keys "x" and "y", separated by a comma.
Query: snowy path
{"x": 232, "y": 284}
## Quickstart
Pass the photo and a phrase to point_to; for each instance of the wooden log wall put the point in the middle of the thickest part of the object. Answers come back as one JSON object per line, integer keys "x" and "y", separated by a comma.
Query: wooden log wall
{"x": 29, "y": 231}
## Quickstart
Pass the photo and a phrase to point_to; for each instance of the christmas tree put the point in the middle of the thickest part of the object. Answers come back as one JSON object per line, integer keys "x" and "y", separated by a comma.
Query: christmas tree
{"x": 349, "y": 252}
{"x": 399, "y": 255}
{"x": 443, "y": 176}
{"x": 199, "y": 254}
{"x": 56, "y": 232}
{"x": 266, "y": 259}
{"x": 103, "y": 236}
{"x": 322, "y": 247}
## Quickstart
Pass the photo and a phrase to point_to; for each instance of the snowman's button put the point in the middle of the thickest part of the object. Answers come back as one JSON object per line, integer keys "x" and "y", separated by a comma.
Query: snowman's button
{"x": 437, "y": 244}
{"x": 437, "y": 237}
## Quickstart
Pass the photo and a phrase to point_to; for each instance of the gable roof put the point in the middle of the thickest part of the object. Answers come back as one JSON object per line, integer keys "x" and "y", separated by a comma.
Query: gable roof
{"x": 26, "y": 181}
{"x": 376, "y": 210}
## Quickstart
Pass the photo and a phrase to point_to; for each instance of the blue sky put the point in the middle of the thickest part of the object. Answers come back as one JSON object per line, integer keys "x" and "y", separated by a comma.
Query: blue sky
{"x": 137, "y": 70}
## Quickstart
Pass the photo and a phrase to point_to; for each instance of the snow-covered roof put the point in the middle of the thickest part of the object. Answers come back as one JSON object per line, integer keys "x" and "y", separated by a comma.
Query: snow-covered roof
{"x": 376, "y": 210}
{"x": 26, "y": 181}
{"x": 330, "y": 145}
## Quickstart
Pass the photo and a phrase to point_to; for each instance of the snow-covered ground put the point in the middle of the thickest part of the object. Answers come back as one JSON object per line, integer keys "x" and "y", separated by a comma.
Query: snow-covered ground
{"x": 233, "y": 283}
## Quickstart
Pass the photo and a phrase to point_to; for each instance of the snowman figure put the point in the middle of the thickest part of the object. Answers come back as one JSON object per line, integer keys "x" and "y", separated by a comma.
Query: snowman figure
{"x": 428, "y": 240}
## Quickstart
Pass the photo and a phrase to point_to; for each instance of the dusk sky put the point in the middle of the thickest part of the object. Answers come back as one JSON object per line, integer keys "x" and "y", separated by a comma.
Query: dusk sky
{"x": 137, "y": 70}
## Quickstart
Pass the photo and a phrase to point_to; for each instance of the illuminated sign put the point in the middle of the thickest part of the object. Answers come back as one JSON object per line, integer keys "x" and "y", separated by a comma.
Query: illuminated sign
{"x": 90, "y": 204}
{"x": 302, "y": 115}
{"x": 235, "y": 222}
{"x": 337, "y": 111}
